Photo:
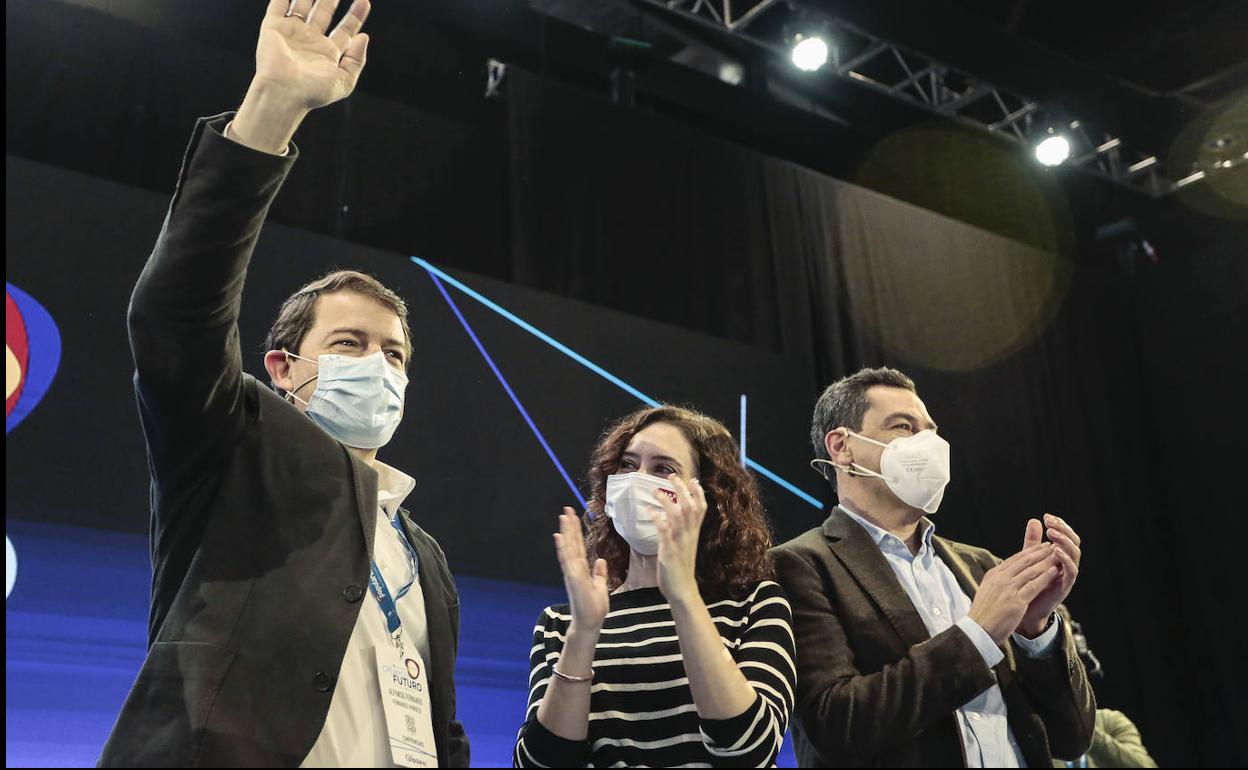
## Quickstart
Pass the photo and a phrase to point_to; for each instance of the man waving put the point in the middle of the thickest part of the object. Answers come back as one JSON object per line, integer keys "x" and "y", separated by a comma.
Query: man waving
{"x": 299, "y": 616}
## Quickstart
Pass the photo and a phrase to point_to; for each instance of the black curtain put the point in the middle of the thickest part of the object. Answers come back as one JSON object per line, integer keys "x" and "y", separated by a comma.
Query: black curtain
{"x": 1063, "y": 383}
{"x": 95, "y": 93}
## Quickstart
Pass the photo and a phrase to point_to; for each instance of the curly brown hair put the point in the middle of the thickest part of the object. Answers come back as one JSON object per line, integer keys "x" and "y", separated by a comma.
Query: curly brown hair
{"x": 734, "y": 541}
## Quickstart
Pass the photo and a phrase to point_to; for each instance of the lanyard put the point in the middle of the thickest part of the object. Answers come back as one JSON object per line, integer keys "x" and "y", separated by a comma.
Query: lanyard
{"x": 381, "y": 592}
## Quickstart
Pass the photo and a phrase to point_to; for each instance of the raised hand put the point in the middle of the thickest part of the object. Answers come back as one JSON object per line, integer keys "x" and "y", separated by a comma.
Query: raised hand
{"x": 300, "y": 66}
{"x": 564, "y": 709}
{"x": 587, "y": 590}
{"x": 678, "y": 539}
{"x": 1066, "y": 556}
{"x": 296, "y": 55}
{"x": 1009, "y": 588}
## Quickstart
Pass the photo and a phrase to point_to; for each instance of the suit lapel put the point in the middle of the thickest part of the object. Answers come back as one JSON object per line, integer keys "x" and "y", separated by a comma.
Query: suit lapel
{"x": 851, "y": 544}
{"x": 438, "y": 623}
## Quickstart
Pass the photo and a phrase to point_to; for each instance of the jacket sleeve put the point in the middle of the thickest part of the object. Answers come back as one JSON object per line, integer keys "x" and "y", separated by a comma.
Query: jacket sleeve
{"x": 457, "y": 740}
{"x": 1057, "y": 686}
{"x": 852, "y": 717}
{"x": 433, "y": 563}
{"x": 183, "y": 313}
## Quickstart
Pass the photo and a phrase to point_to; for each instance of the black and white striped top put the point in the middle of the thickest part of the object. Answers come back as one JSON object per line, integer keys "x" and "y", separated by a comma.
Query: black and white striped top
{"x": 641, "y": 709}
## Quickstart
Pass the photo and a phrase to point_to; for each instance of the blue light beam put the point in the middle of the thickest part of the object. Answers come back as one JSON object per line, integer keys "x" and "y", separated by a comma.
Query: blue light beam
{"x": 742, "y": 434}
{"x": 510, "y": 393}
{"x": 437, "y": 273}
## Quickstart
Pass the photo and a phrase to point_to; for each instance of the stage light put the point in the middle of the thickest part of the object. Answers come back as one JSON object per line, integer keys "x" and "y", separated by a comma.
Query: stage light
{"x": 731, "y": 73}
{"x": 1053, "y": 151}
{"x": 809, "y": 53}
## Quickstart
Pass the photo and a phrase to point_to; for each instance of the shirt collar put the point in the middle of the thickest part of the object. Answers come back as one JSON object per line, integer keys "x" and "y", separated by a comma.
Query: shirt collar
{"x": 884, "y": 539}
{"x": 393, "y": 487}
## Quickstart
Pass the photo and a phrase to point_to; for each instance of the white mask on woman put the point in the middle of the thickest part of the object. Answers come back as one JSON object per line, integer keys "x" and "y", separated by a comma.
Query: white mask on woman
{"x": 633, "y": 509}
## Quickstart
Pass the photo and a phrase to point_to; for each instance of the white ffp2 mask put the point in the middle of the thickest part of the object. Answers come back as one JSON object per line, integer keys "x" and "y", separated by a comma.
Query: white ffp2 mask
{"x": 915, "y": 468}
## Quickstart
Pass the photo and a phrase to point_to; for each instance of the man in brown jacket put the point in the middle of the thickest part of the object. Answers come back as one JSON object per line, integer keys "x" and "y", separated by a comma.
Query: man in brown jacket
{"x": 914, "y": 650}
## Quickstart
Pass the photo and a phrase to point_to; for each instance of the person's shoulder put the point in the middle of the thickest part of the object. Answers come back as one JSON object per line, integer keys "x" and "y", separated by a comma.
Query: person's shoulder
{"x": 556, "y": 616}
{"x": 752, "y": 596}
{"x": 419, "y": 534}
{"x": 769, "y": 599}
{"x": 811, "y": 541}
{"x": 1111, "y": 720}
{"x": 765, "y": 590}
{"x": 278, "y": 420}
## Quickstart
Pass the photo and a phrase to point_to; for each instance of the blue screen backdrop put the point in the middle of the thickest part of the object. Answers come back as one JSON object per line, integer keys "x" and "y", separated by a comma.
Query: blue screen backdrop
{"x": 76, "y": 634}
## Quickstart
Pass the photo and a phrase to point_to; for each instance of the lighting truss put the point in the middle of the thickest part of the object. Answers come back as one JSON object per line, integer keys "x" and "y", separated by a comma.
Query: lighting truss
{"x": 924, "y": 82}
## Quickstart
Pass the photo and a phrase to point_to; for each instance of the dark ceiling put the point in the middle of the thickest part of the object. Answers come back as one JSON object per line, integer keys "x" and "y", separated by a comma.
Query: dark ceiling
{"x": 1146, "y": 70}
{"x": 1141, "y": 70}
{"x": 1170, "y": 47}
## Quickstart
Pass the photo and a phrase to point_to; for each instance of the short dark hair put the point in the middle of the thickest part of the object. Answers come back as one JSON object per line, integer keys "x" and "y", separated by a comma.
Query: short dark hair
{"x": 845, "y": 402}
{"x": 298, "y": 313}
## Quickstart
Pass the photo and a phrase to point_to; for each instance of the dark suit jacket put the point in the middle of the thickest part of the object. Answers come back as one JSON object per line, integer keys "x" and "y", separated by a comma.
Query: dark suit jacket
{"x": 262, "y": 525}
{"x": 874, "y": 689}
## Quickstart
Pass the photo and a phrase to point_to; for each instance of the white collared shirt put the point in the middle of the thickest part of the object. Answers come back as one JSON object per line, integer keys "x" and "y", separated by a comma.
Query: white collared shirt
{"x": 354, "y": 734}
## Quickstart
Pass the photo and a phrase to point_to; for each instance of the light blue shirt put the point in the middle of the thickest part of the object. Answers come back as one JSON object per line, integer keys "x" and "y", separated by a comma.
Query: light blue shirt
{"x": 987, "y": 738}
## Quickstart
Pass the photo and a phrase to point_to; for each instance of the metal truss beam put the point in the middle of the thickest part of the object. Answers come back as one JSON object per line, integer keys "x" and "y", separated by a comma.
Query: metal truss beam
{"x": 922, "y": 81}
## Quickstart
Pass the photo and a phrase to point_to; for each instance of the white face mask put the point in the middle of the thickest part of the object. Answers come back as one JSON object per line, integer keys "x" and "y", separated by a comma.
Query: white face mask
{"x": 633, "y": 510}
{"x": 915, "y": 468}
{"x": 358, "y": 400}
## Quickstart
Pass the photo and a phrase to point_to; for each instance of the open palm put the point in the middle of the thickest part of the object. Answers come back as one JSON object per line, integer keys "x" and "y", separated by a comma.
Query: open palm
{"x": 298, "y": 58}
{"x": 588, "y": 595}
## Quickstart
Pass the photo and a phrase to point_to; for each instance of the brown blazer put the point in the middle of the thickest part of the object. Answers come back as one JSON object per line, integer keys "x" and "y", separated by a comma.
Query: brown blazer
{"x": 874, "y": 689}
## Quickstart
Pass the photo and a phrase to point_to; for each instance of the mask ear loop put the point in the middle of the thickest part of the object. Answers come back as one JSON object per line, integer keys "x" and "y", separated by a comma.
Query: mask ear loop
{"x": 851, "y": 469}
{"x": 290, "y": 394}
{"x": 815, "y": 463}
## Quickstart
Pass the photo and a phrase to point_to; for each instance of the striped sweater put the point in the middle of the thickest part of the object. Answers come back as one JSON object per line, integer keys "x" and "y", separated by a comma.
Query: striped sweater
{"x": 641, "y": 709}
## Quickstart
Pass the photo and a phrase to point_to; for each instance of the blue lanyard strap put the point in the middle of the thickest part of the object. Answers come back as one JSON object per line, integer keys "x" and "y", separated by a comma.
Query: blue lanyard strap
{"x": 381, "y": 592}
{"x": 411, "y": 552}
{"x": 377, "y": 584}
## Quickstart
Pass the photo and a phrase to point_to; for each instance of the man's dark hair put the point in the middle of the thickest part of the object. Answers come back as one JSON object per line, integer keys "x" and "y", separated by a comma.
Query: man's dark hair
{"x": 298, "y": 313}
{"x": 845, "y": 402}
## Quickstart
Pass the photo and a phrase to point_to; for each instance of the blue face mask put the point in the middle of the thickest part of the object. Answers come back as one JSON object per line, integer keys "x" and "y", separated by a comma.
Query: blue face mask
{"x": 358, "y": 400}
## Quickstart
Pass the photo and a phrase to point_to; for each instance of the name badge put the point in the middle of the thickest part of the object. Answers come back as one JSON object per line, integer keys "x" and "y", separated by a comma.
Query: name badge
{"x": 405, "y": 698}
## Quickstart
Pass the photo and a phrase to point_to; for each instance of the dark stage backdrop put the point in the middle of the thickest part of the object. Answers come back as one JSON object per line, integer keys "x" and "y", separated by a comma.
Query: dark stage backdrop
{"x": 494, "y": 463}
{"x": 487, "y": 488}
{"x": 696, "y": 271}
